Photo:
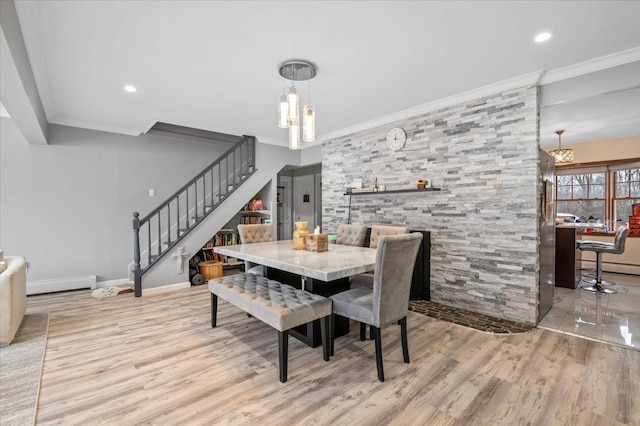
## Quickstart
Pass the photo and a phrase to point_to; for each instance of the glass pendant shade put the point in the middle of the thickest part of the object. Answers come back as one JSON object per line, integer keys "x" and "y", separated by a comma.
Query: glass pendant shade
{"x": 309, "y": 123}
{"x": 283, "y": 109}
{"x": 294, "y": 135}
{"x": 562, "y": 156}
{"x": 293, "y": 102}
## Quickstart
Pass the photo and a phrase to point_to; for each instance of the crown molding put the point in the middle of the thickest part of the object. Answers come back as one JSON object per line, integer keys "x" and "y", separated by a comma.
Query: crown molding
{"x": 592, "y": 65}
{"x": 529, "y": 79}
{"x": 92, "y": 126}
{"x": 3, "y": 111}
{"x": 271, "y": 141}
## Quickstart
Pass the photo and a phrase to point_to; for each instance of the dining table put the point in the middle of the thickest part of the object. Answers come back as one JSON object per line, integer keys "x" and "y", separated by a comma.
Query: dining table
{"x": 325, "y": 273}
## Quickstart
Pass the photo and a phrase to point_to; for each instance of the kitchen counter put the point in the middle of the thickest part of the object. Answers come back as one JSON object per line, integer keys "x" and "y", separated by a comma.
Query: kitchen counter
{"x": 568, "y": 257}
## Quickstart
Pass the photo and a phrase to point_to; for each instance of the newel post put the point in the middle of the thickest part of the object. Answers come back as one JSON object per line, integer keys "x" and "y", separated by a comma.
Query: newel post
{"x": 137, "y": 273}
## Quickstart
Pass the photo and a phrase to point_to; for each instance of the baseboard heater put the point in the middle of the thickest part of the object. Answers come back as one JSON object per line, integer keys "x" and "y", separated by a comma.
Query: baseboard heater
{"x": 620, "y": 268}
{"x": 61, "y": 284}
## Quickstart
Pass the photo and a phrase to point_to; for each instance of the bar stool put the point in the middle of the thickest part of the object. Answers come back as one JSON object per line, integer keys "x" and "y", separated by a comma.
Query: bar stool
{"x": 599, "y": 247}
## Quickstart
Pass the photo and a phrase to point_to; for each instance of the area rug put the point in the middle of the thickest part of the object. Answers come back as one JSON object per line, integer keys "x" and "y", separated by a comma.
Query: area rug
{"x": 112, "y": 291}
{"x": 21, "y": 369}
{"x": 467, "y": 318}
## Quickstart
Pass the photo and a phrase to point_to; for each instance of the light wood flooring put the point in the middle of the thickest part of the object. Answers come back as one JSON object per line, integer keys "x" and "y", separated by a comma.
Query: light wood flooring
{"x": 156, "y": 360}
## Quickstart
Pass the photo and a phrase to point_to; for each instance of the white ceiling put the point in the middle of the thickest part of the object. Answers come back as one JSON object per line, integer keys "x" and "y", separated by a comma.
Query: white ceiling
{"x": 213, "y": 65}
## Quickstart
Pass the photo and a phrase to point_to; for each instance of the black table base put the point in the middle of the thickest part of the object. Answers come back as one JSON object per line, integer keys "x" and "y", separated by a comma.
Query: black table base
{"x": 310, "y": 333}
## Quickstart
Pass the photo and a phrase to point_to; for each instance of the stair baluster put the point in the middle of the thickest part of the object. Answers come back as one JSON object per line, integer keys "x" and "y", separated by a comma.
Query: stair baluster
{"x": 234, "y": 175}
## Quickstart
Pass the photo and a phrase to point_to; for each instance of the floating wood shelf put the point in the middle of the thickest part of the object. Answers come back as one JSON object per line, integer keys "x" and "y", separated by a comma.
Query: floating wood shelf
{"x": 393, "y": 191}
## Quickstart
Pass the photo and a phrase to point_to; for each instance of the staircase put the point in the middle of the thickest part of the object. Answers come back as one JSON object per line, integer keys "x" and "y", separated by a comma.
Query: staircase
{"x": 158, "y": 232}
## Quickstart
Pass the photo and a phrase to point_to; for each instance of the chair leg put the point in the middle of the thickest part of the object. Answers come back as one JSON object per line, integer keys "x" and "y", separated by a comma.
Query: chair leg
{"x": 372, "y": 335}
{"x": 363, "y": 331}
{"x": 403, "y": 336}
{"x": 325, "y": 324}
{"x": 214, "y": 310}
{"x": 283, "y": 353}
{"x": 378, "y": 340}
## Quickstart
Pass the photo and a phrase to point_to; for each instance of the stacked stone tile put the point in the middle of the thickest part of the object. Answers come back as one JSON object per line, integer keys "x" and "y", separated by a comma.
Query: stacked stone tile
{"x": 484, "y": 222}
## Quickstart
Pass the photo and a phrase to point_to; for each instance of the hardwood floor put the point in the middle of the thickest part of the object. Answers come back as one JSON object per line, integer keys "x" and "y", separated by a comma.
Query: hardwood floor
{"x": 156, "y": 360}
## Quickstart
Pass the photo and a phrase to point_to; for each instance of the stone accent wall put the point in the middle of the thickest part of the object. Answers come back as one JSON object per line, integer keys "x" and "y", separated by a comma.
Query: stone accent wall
{"x": 484, "y": 223}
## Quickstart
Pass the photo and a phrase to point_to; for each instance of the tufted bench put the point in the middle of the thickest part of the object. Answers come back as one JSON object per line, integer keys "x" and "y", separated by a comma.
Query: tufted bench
{"x": 278, "y": 305}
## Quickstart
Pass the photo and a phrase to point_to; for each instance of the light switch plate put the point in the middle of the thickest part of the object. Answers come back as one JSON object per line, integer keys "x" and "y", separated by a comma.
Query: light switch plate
{"x": 152, "y": 193}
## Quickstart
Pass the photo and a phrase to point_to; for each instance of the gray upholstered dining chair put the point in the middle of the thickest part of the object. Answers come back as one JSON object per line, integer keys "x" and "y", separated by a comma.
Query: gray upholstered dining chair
{"x": 255, "y": 233}
{"x": 379, "y": 230}
{"x": 351, "y": 235}
{"x": 366, "y": 280}
{"x": 600, "y": 247}
{"x": 388, "y": 301}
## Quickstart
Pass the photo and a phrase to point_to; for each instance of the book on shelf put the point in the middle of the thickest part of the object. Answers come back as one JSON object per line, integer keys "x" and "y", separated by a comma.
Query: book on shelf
{"x": 225, "y": 239}
{"x": 252, "y": 220}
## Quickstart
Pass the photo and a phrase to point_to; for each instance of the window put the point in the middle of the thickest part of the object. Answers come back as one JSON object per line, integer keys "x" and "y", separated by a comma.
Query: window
{"x": 626, "y": 192}
{"x": 582, "y": 194}
{"x": 599, "y": 191}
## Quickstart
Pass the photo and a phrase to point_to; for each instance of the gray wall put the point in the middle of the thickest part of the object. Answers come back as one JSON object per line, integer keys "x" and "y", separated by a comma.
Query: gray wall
{"x": 484, "y": 156}
{"x": 311, "y": 155}
{"x": 67, "y": 206}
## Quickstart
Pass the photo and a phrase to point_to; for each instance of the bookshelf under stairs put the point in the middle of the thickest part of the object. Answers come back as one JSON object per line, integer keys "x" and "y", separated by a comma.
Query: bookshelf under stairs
{"x": 251, "y": 213}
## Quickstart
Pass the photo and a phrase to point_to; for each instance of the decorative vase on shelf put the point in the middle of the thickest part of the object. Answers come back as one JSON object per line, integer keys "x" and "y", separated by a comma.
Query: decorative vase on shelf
{"x": 300, "y": 235}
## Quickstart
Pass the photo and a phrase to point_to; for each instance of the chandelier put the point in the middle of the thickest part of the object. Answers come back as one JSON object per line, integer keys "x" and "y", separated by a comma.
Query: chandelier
{"x": 288, "y": 109}
{"x": 562, "y": 156}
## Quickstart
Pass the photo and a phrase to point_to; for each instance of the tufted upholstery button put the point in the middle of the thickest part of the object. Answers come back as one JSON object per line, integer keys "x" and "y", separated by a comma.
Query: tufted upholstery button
{"x": 352, "y": 235}
{"x": 378, "y": 230}
{"x": 271, "y": 293}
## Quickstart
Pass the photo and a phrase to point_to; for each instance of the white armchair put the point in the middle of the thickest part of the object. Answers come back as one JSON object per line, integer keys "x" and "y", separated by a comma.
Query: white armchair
{"x": 13, "y": 296}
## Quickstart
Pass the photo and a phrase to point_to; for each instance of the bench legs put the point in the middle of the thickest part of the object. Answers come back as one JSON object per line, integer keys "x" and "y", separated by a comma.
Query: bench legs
{"x": 283, "y": 353}
{"x": 283, "y": 338}
{"x": 214, "y": 309}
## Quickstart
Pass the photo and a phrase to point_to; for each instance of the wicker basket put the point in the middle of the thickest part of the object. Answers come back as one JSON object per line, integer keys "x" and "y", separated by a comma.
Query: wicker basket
{"x": 210, "y": 269}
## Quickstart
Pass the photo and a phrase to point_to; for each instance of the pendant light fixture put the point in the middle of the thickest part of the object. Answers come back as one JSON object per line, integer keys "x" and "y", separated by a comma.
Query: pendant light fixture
{"x": 562, "y": 156}
{"x": 309, "y": 119}
{"x": 283, "y": 109}
{"x": 294, "y": 136}
{"x": 309, "y": 124}
{"x": 289, "y": 107}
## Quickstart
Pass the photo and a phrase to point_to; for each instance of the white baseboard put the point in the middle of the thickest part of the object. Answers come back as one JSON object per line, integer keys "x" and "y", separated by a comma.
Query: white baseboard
{"x": 60, "y": 284}
{"x": 164, "y": 288}
{"x": 110, "y": 283}
{"x": 90, "y": 281}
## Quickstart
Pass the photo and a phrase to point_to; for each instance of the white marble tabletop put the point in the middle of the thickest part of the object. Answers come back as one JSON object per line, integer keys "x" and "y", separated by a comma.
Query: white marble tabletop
{"x": 580, "y": 225}
{"x": 339, "y": 261}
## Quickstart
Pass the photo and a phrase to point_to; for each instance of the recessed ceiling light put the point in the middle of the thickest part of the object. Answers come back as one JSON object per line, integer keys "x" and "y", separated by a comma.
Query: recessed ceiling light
{"x": 131, "y": 89}
{"x": 542, "y": 37}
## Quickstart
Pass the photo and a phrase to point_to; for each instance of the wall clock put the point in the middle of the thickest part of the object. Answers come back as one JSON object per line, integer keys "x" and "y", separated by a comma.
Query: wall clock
{"x": 396, "y": 138}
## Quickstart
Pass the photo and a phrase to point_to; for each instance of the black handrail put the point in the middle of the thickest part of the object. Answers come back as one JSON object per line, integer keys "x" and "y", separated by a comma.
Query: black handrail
{"x": 242, "y": 140}
{"x": 245, "y": 171}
